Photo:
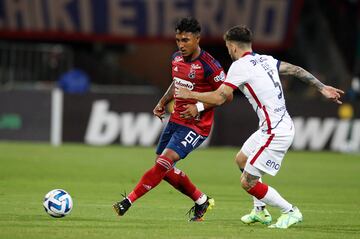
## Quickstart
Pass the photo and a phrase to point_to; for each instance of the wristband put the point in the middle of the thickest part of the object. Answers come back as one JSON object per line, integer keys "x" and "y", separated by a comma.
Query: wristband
{"x": 200, "y": 106}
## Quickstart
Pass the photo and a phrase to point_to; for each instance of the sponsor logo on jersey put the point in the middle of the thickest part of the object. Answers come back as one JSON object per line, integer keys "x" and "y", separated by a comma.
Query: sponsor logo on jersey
{"x": 220, "y": 77}
{"x": 176, "y": 69}
{"x": 183, "y": 83}
{"x": 195, "y": 66}
{"x": 258, "y": 60}
{"x": 282, "y": 108}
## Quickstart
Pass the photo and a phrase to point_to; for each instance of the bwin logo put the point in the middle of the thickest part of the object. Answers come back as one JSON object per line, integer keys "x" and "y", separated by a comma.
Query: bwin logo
{"x": 272, "y": 164}
{"x": 106, "y": 126}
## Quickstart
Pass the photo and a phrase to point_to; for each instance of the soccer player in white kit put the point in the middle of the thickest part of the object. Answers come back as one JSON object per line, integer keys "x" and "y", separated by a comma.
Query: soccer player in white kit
{"x": 257, "y": 76}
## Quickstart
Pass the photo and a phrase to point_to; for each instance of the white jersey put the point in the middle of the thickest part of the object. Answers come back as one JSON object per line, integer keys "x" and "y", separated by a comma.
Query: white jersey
{"x": 257, "y": 76}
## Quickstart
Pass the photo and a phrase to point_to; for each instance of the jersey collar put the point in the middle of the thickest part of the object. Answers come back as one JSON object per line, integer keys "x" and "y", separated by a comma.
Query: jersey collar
{"x": 247, "y": 53}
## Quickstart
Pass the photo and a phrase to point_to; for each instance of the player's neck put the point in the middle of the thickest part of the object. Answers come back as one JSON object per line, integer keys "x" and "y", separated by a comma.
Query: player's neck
{"x": 243, "y": 52}
{"x": 193, "y": 56}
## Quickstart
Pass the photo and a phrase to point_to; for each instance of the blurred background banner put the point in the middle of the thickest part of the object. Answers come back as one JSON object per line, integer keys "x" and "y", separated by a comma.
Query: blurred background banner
{"x": 272, "y": 21}
{"x": 25, "y": 115}
{"x": 126, "y": 119}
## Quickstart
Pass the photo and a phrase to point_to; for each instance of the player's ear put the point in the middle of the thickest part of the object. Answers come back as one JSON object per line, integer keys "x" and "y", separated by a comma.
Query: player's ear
{"x": 234, "y": 48}
{"x": 197, "y": 38}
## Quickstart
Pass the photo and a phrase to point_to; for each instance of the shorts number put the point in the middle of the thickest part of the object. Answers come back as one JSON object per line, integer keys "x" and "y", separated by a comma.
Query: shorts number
{"x": 192, "y": 139}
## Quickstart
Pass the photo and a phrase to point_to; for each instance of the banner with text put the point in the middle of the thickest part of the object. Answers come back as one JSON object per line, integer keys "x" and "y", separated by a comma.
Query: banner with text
{"x": 272, "y": 21}
{"x": 102, "y": 119}
{"x": 127, "y": 119}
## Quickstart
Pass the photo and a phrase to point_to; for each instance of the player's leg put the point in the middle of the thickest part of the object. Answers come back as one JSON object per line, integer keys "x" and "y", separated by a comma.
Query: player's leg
{"x": 250, "y": 182}
{"x": 290, "y": 214}
{"x": 259, "y": 213}
{"x": 181, "y": 181}
{"x": 175, "y": 177}
{"x": 148, "y": 181}
{"x": 266, "y": 160}
{"x": 183, "y": 141}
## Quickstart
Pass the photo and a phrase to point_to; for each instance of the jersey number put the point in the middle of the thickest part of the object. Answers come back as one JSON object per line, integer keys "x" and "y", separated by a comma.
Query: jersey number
{"x": 270, "y": 74}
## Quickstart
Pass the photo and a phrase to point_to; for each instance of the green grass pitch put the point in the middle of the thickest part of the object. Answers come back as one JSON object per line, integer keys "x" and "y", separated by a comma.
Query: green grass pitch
{"x": 324, "y": 185}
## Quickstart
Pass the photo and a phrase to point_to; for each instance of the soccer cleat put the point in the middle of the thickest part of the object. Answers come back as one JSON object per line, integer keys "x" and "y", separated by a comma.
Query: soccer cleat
{"x": 288, "y": 219}
{"x": 121, "y": 207}
{"x": 200, "y": 210}
{"x": 262, "y": 216}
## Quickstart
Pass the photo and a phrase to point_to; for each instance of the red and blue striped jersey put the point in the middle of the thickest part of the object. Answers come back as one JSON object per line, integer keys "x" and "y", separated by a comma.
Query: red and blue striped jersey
{"x": 201, "y": 75}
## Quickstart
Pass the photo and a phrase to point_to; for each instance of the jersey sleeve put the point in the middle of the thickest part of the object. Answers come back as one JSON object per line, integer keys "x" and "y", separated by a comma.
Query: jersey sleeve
{"x": 215, "y": 74}
{"x": 176, "y": 54}
{"x": 237, "y": 76}
{"x": 274, "y": 62}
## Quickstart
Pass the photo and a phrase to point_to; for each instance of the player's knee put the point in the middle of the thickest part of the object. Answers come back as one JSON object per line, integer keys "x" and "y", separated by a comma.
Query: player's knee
{"x": 164, "y": 163}
{"x": 171, "y": 154}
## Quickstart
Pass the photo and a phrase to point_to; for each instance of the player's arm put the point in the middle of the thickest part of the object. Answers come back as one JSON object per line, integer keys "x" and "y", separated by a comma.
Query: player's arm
{"x": 192, "y": 110}
{"x": 215, "y": 78}
{"x": 159, "y": 109}
{"x": 329, "y": 92}
{"x": 217, "y": 97}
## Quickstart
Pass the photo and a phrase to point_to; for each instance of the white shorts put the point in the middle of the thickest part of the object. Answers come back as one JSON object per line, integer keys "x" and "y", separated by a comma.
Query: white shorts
{"x": 265, "y": 152}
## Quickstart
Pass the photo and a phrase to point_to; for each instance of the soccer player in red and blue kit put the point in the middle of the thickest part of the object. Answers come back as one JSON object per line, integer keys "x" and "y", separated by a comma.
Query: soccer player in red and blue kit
{"x": 190, "y": 122}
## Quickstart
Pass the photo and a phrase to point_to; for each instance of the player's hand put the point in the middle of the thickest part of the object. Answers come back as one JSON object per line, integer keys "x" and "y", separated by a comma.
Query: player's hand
{"x": 332, "y": 93}
{"x": 190, "y": 111}
{"x": 181, "y": 92}
{"x": 159, "y": 111}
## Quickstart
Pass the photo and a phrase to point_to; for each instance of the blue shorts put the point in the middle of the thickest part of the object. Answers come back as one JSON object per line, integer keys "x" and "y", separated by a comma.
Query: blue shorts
{"x": 179, "y": 138}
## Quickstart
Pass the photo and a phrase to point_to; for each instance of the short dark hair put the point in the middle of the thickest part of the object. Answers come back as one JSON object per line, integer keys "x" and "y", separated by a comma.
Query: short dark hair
{"x": 188, "y": 24}
{"x": 241, "y": 34}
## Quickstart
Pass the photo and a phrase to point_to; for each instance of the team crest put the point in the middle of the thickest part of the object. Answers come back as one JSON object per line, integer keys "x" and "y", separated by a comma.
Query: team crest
{"x": 192, "y": 74}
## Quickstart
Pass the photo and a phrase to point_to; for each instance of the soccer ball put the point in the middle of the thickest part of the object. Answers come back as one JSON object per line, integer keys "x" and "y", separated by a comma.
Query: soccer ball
{"x": 58, "y": 203}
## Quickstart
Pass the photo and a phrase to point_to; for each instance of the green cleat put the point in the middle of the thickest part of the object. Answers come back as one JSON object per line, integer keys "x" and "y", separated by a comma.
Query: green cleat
{"x": 262, "y": 216}
{"x": 288, "y": 219}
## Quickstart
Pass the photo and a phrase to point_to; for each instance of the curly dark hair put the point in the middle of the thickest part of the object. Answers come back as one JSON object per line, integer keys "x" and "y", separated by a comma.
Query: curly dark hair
{"x": 188, "y": 24}
{"x": 239, "y": 33}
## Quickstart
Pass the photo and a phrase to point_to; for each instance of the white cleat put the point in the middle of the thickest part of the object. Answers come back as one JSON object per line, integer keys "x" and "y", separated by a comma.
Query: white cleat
{"x": 288, "y": 219}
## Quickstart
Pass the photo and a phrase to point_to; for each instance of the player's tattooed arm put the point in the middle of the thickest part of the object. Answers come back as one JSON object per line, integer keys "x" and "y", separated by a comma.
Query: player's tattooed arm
{"x": 327, "y": 91}
{"x": 223, "y": 94}
{"x": 300, "y": 73}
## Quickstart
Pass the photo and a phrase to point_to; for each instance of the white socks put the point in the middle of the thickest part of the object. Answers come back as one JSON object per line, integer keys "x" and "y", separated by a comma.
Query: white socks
{"x": 201, "y": 199}
{"x": 273, "y": 198}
